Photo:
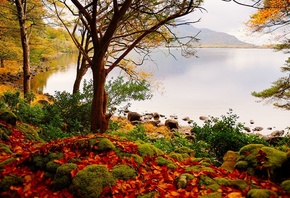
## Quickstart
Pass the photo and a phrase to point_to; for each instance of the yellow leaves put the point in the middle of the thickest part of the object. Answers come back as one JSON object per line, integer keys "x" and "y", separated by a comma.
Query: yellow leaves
{"x": 273, "y": 10}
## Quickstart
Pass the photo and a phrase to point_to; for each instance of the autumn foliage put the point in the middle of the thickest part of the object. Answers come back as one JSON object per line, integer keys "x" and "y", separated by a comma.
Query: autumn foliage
{"x": 27, "y": 170}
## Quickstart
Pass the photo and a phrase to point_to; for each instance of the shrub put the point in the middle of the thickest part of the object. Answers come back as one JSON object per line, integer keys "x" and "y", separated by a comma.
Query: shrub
{"x": 224, "y": 134}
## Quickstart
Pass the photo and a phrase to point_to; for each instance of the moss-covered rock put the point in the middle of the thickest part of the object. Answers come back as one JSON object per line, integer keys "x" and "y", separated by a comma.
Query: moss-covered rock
{"x": 212, "y": 195}
{"x": 52, "y": 166}
{"x": 238, "y": 184}
{"x": 286, "y": 185}
{"x": 209, "y": 183}
{"x": 261, "y": 193}
{"x": 178, "y": 156}
{"x": 137, "y": 158}
{"x": 149, "y": 195}
{"x": 262, "y": 161}
{"x": 182, "y": 180}
{"x": 146, "y": 149}
{"x": 123, "y": 172}
{"x": 185, "y": 150}
{"x": 10, "y": 180}
{"x": 6, "y": 162}
{"x": 90, "y": 181}
{"x": 229, "y": 160}
{"x": 5, "y": 148}
{"x": 199, "y": 168}
{"x": 105, "y": 145}
{"x": 161, "y": 161}
{"x": 31, "y": 133}
{"x": 40, "y": 161}
{"x": 63, "y": 177}
{"x": 4, "y": 133}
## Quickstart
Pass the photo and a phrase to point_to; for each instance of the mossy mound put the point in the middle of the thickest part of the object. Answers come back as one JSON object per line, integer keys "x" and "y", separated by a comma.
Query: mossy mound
{"x": 229, "y": 160}
{"x": 262, "y": 161}
{"x": 212, "y": 195}
{"x": 161, "y": 161}
{"x": 63, "y": 177}
{"x": 31, "y": 133}
{"x": 146, "y": 149}
{"x": 4, "y": 133}
{"x": 105, "y": 145}
{"x": 286, "y": 185}
{"x": 123, "y": 172}
{"x": 40, "y": 161}
{"x": 5, "y": 148}
{"x": 10, "y": 180}
{"x": 238, "y": 184}
{"x": 178, "y": 156}
{"x": 185, "y": 150}
{"x": 261, "y": 193}
{"x": 182, "y": 180}
{"x": 90, "y": 181}
{"x": 6, "y": 162}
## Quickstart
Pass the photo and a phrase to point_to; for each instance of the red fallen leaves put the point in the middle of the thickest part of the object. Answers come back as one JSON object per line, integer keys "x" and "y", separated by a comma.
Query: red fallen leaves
{"x": 151, "y": 177}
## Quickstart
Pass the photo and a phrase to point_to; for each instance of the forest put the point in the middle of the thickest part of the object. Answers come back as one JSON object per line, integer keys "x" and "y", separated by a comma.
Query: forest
{"x": 73, "y": 144}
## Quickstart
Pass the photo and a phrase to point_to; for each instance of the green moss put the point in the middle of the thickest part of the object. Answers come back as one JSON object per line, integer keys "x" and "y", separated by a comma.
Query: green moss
{"x": 9, "y": 180}
{"x": 238, "y": 184}
{"x": 30, "y": 132}
{"x": 260, "y": 193}
{"x": 8, "y": 116}
{"x": 147, "y": 149}
{"x": 178, "y": 156}
{"x": 249, "y": 153}
{"x": 5, "y": 148}
{"x": 206, "y": 180}
{"x": 213, "y": 187}
{"x": 198, "y": 168}
{"x": 149, "y": 195}
{"x": 52, "y": 166}
{"x": 63, "y": 177}
{"x": 185, "y": 150}
{"x": 137, "y": 158}
{"x": 105, "y": 145}
{"x": 40, "y": 161}
{"x": 123, "y": 172}
{"x": 161, "y": 161}
{"x": 6, "y": 162}
{"x": 4, "y": 133}
{"x": 182, "y": 180}
{"x": 90, "y": 181}
{"x": 242, "y": 165}
{"x": 286, "y": 185}
{"x": 275, "y": 157}
{"x": 212, "y": 195}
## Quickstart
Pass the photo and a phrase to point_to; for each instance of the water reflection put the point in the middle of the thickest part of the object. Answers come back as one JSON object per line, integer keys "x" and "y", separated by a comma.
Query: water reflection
{"x": 217, "y": 80}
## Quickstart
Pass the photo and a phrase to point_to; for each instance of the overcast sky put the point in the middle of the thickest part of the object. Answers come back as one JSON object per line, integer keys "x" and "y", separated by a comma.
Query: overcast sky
{"x": 228, "y": 17}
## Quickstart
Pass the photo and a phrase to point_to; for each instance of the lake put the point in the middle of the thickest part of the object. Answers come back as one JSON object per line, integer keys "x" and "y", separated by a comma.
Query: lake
{"x": 211, "y": 84}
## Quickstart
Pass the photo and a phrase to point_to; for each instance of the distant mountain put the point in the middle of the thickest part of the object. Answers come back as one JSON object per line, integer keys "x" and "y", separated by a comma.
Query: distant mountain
{"x": 210, "y": 38}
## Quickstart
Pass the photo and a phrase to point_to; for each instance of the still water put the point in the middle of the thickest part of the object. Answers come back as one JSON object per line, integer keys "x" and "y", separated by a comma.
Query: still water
{"x": 210, "y": 84}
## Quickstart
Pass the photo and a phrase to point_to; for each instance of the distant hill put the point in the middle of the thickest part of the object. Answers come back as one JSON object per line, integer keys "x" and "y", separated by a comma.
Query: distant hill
{"x": 209, "y": 38}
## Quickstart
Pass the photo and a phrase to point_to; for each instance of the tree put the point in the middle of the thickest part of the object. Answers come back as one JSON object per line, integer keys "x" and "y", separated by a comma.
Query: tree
{"x": 273, "y": 15}
{"x": 115, "y": 28}
{"x": 29, "y": 14}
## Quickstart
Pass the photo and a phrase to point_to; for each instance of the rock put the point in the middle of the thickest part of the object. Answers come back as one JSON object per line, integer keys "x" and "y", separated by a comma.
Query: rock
{"x": 134, "y": 116}
{"x": 270, "y": 128}
{"x": 186, "y": 119}
{"x": 173, "y": 117}
{"x": 277, "y": 133}
{"x": 230, "y": 159}
{"x": 248, "y": 129}
{"x": 258, "y": 129}
{"x": 156, "y": 116}
{"x": 204, "y": 118}
{"x": 172, "y": 124}
{"x": 252, "y": 122}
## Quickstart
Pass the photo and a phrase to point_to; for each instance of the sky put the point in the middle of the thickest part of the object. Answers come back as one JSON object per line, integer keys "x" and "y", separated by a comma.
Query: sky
{"x": 230, "y": 18}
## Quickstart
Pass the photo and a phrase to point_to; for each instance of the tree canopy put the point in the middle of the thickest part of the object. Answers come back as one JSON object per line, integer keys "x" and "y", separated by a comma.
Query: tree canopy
{"x": 115, "y": 28}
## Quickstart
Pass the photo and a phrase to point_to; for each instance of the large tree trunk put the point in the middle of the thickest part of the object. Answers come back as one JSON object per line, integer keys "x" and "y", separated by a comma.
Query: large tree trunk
{"x": 99, "y": 118}
{"x": 21, "y": 7}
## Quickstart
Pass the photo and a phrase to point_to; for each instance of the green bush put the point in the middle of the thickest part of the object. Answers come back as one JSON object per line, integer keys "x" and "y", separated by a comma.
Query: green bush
{"x": 224, "y": 134}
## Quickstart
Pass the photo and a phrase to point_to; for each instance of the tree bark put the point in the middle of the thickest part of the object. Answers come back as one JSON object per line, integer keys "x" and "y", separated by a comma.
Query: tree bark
{"x": 99, "y": 119}
{"x": 21, "y": 8}
{"x": 2, "y": 62}
{"x": 80, "y": 73}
